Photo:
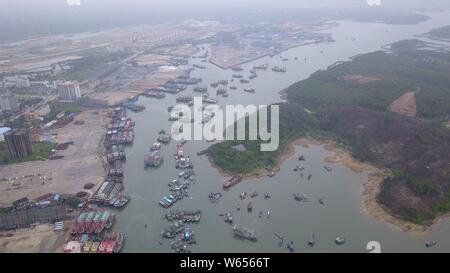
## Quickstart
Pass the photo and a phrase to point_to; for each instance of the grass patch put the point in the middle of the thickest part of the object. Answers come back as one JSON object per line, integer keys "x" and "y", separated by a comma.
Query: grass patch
{"x": 41, "y": 151}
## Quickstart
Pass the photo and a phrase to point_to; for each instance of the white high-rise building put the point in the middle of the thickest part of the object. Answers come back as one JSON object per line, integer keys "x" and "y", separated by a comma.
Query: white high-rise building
{"x": 68, "y": 91}
{"x": 19, "y": 81}
{"x": 8, "y": 102}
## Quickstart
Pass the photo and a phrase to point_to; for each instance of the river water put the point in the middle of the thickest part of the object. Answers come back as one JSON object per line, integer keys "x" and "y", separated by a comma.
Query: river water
{"x": 340, "y": 215}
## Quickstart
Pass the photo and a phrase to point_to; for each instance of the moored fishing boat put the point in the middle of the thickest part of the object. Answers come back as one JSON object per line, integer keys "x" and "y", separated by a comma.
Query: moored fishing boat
{"x": 87, "y": 246}
{"x": 244, "y": 233}
{"x": 102, "y": 246}
{"x": 120, "y": 240}
{"x": 232, "y": 181}
{"x": 88, "y": 222}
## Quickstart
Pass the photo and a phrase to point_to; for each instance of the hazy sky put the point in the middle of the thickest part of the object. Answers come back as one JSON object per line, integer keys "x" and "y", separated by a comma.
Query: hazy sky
{"x": 25, "y": 18}
{"x": 155, "y": 4}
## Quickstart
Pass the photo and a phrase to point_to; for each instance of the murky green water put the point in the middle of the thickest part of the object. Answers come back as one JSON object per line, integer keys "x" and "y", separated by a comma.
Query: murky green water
{"x": 341, "y": 213}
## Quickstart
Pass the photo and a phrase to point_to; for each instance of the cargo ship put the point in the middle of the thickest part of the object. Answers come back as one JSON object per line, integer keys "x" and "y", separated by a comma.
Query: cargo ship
{"x": 244, "y": 233}
{"x": 232, "y": 181}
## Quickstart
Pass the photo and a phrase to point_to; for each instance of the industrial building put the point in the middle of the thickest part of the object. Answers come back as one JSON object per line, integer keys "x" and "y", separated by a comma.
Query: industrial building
{"x": 16, "y": 81}
{"x": 68, "y": 91}
{"x": 8, "y": 102}
{"x": 19, "y": 143}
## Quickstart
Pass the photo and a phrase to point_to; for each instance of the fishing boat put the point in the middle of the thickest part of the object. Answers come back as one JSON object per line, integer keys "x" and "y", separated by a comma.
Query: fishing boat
{"x": 111, "y": 243}
{"x": 155, "y": 147}
{"x": 321, "y": 201}
{"x": 250, "y": 90}
{"x": 87, "y": 247}
{"x": 163, "y": 138}
{"x": 201, "y": 89}
{"x": 329, "y": 169}
{"x": 261, "y": 67}
{"x": 209, "y": 100}
{"x": 94, "y": 247}
{"x": 290, "y": 246}
{"x": 221, "y": 91}
{"x": 244, "y": 81}
{"x": 106, "y": 221}
{"x": 340, "y": 240}
{"x": 228, "y": 218}
{"x": 88, "y": 222}
{"x": 102, "y": 246}
{"x": 279, "y": 69}
{"x": 120, "y": 240}
{"x": 154, "y": 159}
{"x": 430, "y": 243}
{"x": 245, "y": 233}
{"x": 232, "y": 181}
{"x": 78, "y": 227}
{"x": 249, "y": 207}
{"x": 312, "y": 240}
{"x": 96, "y": 223}
{"x": 300, "y": 197}
{"x": 233, "y": 87}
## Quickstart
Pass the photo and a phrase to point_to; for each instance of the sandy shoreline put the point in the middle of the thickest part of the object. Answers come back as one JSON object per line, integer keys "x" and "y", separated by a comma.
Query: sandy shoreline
{"x": 369, "y": 189}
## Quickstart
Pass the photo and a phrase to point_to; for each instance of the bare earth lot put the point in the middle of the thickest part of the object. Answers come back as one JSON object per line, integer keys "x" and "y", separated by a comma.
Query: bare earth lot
{"x": 40, "y": 239}
{"x": 405, "y": 105}
{"x": 81, "y": 163}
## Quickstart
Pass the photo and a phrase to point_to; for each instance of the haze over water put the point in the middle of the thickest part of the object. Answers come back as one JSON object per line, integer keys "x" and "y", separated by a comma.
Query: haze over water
{"x": 340, "y": 215}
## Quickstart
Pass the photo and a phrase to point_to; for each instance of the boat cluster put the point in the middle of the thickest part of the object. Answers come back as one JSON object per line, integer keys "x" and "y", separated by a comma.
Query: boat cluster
{"x": 184, "y": 215}
{"x": 178, "y": 187}
{"x": 179, "y": 230}
{"x": 214, "y": 197}
{"x": 119, "y": 133}
{"x": 92, "y": 233}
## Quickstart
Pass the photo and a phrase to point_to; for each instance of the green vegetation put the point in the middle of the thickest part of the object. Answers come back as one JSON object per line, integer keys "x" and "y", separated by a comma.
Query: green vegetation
{"x": 19, "y": 122}
{"x": 92, "y": 63}
{"x": 41, "y": 151}
{"x": 73, "y": 201}
{"x": 409, "y": 69}
{"x": 57, "y": 107}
